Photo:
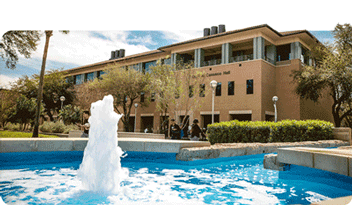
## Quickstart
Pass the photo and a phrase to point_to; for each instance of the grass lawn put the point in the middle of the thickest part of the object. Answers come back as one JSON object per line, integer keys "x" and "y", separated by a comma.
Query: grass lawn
{"x": 9, "y": 134}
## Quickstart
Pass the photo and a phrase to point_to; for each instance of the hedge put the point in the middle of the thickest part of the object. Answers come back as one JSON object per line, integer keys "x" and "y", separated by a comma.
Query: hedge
{"x": 263, "y": 131}
{"x": 57, "y": 127}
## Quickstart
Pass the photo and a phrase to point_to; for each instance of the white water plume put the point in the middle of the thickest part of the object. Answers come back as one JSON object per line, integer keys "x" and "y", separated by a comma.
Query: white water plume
{"x": 100, "y": 170}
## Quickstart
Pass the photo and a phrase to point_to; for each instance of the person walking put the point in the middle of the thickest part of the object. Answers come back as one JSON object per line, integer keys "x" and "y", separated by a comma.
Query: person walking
{"x": 85, "y": 125}
{"x": 175, "y": 130}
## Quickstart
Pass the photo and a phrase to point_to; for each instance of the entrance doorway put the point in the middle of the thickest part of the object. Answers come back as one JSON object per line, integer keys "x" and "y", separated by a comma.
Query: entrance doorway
{"x": 206, "y": 120}
{"x": 270, "y": 118}
{"x": 147, "y": 123}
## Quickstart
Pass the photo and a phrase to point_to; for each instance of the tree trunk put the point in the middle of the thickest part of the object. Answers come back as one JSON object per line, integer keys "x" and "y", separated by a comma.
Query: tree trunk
{"x": 336, "y": 116}
{"x": 48, "y": 34}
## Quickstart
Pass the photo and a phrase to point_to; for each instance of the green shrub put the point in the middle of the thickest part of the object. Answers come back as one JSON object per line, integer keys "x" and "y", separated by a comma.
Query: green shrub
{"x": 12, "y": 126}
{"x": 57, "y": 127}
{"x": 52, "y": 127}
{"x": 71, "y": 114}
{"x": 46, "y": 126}
{"x": 262, "y": 131}
{"x": 68, "y": 128}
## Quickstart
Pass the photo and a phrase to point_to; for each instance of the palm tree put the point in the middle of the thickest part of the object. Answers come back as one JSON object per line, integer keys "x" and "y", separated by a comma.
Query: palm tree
{"x": 48, "y": 34}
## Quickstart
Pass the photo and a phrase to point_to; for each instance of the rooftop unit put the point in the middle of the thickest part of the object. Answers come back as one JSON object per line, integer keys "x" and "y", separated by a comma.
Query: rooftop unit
{"x": 117, "y": 54}
{"x": 214, "y": 30}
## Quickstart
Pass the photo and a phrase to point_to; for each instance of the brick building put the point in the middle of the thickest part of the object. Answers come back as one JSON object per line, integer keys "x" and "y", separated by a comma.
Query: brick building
{"x": 251, "y": 65}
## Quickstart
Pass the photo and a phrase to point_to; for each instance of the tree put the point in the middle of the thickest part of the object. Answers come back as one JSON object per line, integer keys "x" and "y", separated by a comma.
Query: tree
{"x": 71, "y": 114}
{"x": 25, "y": 42}
{"x": 177, "y": 87}
{"x": 56, "y": 85}
{"x": 7, "y": 101}
{"x": 126, "y": 86}
{"x": 24, "y": 111}
{"x": 48, "y": 34}
{"x": 333, "y": 71}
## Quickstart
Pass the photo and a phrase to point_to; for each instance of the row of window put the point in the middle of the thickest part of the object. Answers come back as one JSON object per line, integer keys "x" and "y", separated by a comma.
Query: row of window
{"x": 79, "y": 79}
{"x": 230, "y": 88}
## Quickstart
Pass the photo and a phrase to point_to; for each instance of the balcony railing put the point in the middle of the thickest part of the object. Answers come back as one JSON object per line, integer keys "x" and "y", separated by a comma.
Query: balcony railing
{"x": 270, "y": 60}
{"x": 241, "y": 58}
{"x": 211, "y": 62}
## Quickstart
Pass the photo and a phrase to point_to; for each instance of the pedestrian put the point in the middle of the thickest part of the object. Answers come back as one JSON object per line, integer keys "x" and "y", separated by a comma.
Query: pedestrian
{"x": 195, "y": 130}
{"x": 85, "y": 125}
{"x": 175, "y": 130}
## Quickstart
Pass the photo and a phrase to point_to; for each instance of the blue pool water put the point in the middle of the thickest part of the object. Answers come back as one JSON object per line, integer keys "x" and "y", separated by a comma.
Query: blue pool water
{"x": 50, "y": 178}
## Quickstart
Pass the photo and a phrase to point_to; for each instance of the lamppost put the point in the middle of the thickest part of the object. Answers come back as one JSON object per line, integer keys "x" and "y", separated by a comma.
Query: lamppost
{"x": 62, "y": 99}
{"x": 213, "y": 84}
{"x": 275, "y": 99}
{"x": 135, "y": 116}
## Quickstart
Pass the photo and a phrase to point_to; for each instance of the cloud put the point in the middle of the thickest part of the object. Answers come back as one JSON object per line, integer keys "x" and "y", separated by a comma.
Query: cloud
{"x": 179, "y": 36}
{"x": 143, "y": 40}
{"x": 6, "y": 80}
{"x": 83, "y": 47}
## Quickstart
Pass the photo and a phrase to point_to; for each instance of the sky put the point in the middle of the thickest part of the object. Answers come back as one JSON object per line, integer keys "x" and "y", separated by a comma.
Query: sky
{"x": 139, "y": 26}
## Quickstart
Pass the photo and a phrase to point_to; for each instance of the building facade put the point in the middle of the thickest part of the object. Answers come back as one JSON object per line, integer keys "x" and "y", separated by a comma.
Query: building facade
{"x": 251, "y": 66}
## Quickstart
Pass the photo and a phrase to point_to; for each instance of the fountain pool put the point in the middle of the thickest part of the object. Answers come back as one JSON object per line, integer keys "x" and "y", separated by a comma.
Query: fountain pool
{"x": 51, "y": 178}
{"x": 99, "y": 175}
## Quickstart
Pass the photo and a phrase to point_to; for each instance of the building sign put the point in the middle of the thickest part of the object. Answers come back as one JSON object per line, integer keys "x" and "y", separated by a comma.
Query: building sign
{"x": 215, "y": 74}
{"x": 219, "y": 73}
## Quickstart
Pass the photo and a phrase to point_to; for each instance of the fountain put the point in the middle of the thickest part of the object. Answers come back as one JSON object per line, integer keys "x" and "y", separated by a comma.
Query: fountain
{"x": 100, "y": 170}
{"x": 154, "y": 178}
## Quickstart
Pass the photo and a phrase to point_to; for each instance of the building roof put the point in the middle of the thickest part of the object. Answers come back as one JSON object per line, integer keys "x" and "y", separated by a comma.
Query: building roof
{"x": 161, "y": 49}
{"x": 280, "y": 34}
{"x": 115, "y": 60}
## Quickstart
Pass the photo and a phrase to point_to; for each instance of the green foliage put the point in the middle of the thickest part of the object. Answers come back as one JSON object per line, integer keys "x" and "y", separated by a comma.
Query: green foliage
{"x": 7, "y": 101}
{"x": 8, "y": 134}
{"x": 70, "y": 114}
{"x": 52, "y": 127}
{"x": 126, "y": 86}
{"x": 56, "y": 85}
{"x": 333, "y": 72}
{"x": 24, "y": 111}
{"x": 70, "y": 127}
{"x": 264, "y": 132}
{"x": 181, "y": 80}
{"x": 12, "y": 126}
{"x": 24, "y": 42}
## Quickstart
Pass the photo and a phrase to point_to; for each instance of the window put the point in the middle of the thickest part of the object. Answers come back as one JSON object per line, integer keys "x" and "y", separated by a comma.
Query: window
{"x": 202, "y": 90}
{"x": 78, "y": 79}
{"x": 142, "y": 96}
{"x": 167, "y": 61}
{"x": 69, "y": 79}
{"x": 250, "y": 85}
{"x": 100, "y": 73}
{"x": 147, "y": 65}
{"x": 152, "y": 98}
{"x": 191, "y": 90}
{"x": 218, "y": 90}
{"x": 231, "y": 88}
{"x": 89, "y": 76}
{"x": 135, "y": 67}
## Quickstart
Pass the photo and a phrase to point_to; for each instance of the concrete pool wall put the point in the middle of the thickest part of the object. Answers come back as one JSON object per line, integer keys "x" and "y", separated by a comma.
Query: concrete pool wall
{"x": 78, "y": 144}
